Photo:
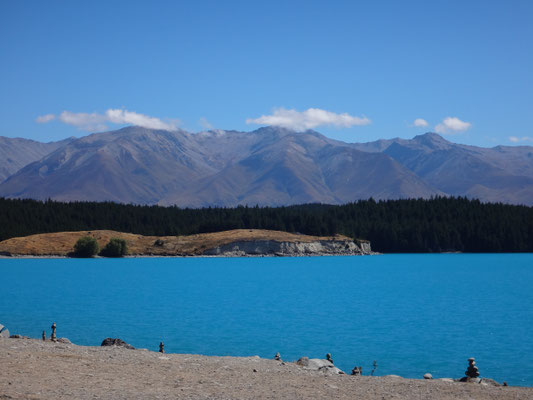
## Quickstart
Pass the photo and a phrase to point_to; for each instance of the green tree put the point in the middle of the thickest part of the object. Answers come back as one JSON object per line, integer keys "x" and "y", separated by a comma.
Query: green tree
{"x": 86, "y": 247}
{"x": 115, "y": 248}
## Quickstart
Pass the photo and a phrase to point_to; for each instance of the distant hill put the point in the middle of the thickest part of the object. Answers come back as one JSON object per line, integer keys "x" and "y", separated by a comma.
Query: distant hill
{"x": 269, "y": 166}
{"x": 498, "y": 174}
{"x": 16, "y": 153}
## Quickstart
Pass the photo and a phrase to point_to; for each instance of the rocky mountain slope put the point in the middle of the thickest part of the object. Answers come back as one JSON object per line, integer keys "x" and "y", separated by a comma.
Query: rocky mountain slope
{"x": 269, "y": 166}
{"x": 498, "y": 174}
{"x": 16, "y": 153}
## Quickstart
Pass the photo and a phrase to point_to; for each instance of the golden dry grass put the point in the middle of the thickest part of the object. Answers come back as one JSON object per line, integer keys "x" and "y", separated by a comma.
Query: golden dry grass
{"x": 62, "y": 243}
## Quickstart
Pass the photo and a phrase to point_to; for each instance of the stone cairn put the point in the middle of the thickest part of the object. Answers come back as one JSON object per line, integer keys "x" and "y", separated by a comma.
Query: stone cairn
{"x": 44, "y": 336}
{"x": 375, "y": 366}
{"x": 53, "y": 337}
{"x": 161, "y": 347}
{"x": 357, "y": 371}
{"x": 277, "y": 357}
{"x": 328, "y": 357}
{"x": 472, "y": 371}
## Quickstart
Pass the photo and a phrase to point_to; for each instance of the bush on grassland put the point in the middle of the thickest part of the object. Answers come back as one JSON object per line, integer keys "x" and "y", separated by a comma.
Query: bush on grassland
{"x": 115, "y": 248}
{"x": 86, "y": 247}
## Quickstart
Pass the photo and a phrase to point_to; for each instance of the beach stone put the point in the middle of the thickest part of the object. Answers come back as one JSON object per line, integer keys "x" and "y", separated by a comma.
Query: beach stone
{"x": 4, "y": 332}
{"x": 277, "y": 357}
{"x": 490, "y": 382}
{"x": 116, "y": 342}
{"x": 19, "y": 337}
{"x": 428, "y": 376}
{"x": 469, "y": 380}
{"x": 446, "y": 379}
{"x": 357, "y": 371}
{"x": 303, "y": 361}
{"x": 64, "y": 340}
{"x": 317, "y": 364}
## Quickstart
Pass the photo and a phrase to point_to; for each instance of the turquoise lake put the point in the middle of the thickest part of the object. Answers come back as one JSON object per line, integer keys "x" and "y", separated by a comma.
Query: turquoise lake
{"x": 411, "y": 313}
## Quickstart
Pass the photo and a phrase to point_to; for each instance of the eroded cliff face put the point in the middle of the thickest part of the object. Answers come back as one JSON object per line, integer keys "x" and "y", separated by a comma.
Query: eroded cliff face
{"x": 280, "y": 248}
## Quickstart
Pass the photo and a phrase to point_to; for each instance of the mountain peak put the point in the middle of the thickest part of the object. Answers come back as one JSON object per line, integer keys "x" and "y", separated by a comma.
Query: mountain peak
{"x": 432, "y": 140}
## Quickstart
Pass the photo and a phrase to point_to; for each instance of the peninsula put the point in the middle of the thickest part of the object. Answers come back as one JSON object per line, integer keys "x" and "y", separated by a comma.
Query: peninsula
{"x": 233, "y": 243}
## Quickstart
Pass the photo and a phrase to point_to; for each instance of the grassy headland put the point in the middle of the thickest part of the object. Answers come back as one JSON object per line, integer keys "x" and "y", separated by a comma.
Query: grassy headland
{"x": 62, "y": 243}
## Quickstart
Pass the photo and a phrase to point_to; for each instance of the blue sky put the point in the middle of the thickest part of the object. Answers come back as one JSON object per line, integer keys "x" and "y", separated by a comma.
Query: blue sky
{"x": 217, "y": 64}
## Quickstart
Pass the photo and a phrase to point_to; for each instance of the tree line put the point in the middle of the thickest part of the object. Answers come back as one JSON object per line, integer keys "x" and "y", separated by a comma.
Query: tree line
{"x": 414, "y": 225}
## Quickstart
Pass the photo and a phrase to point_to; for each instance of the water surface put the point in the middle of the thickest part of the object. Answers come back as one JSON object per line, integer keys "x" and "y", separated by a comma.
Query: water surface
{"x": 411, "y": 313}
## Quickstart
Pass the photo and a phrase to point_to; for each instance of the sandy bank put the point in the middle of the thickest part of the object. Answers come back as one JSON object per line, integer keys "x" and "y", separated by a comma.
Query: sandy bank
{"x": 32, "y": 369}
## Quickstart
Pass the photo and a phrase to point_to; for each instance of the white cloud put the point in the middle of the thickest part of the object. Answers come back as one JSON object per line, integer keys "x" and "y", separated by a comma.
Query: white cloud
{"x": 98, "y": 122}
{"x": 43, "y": 119}
{"x": 308, "y": 119}
{"x": 205, "y": 124}
{"x": 84, "y": 121}
{"x": 452, "y": 125}
{"x": 420, "y": 122}
{"x": 118, "y": 116}
{"x": 516, "y": 139}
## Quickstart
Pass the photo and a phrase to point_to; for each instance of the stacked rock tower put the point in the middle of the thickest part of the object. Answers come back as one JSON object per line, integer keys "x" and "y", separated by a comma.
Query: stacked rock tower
{"x": 472, "y": 371}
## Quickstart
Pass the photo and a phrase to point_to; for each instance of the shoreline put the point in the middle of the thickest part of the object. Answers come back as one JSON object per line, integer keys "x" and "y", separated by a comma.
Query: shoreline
{"x": 32, "y": 368}
{"x": 18, "y": 256}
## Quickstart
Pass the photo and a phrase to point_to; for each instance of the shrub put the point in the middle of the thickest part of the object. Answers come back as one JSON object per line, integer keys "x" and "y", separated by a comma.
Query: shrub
{"x": 115, "y": 248}
{"x": 85, "y": 247}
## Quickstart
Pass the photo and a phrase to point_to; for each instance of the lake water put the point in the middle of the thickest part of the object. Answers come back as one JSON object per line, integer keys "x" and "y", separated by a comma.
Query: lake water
{"x": 411, "y": 313}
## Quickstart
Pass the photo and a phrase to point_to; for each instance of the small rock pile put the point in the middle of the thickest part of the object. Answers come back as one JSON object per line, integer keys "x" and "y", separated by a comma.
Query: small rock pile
{"x": 472, "y": 371}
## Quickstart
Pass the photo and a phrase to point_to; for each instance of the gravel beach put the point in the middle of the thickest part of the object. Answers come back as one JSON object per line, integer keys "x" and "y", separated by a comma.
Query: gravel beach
{"x": 33, "y": 369}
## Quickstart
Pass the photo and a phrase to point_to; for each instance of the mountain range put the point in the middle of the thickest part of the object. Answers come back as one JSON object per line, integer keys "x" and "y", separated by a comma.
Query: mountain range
{"x": 269, "y": 166}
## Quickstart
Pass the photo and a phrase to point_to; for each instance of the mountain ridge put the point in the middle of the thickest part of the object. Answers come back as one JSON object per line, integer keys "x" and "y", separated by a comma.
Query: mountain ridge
{"x": 269, "y": 166}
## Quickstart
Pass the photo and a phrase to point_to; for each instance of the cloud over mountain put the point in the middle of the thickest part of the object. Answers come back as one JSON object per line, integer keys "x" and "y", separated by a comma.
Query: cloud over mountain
{"x": 452, "y": 125}
{"x": 516, "y": 139}
{"x": 43, "y": 119}
{"x": 420, "y": 122}
{"x": 308, "y": 119}
{"x": 98, "y": 122}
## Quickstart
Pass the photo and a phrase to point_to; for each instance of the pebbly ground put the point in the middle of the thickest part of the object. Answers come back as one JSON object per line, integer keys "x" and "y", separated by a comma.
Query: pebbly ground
{"x": 33, "y": 369}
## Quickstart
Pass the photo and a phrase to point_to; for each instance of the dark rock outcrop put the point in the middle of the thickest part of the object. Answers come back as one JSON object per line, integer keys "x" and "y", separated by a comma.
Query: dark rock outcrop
{"x": 116, "y": 342}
